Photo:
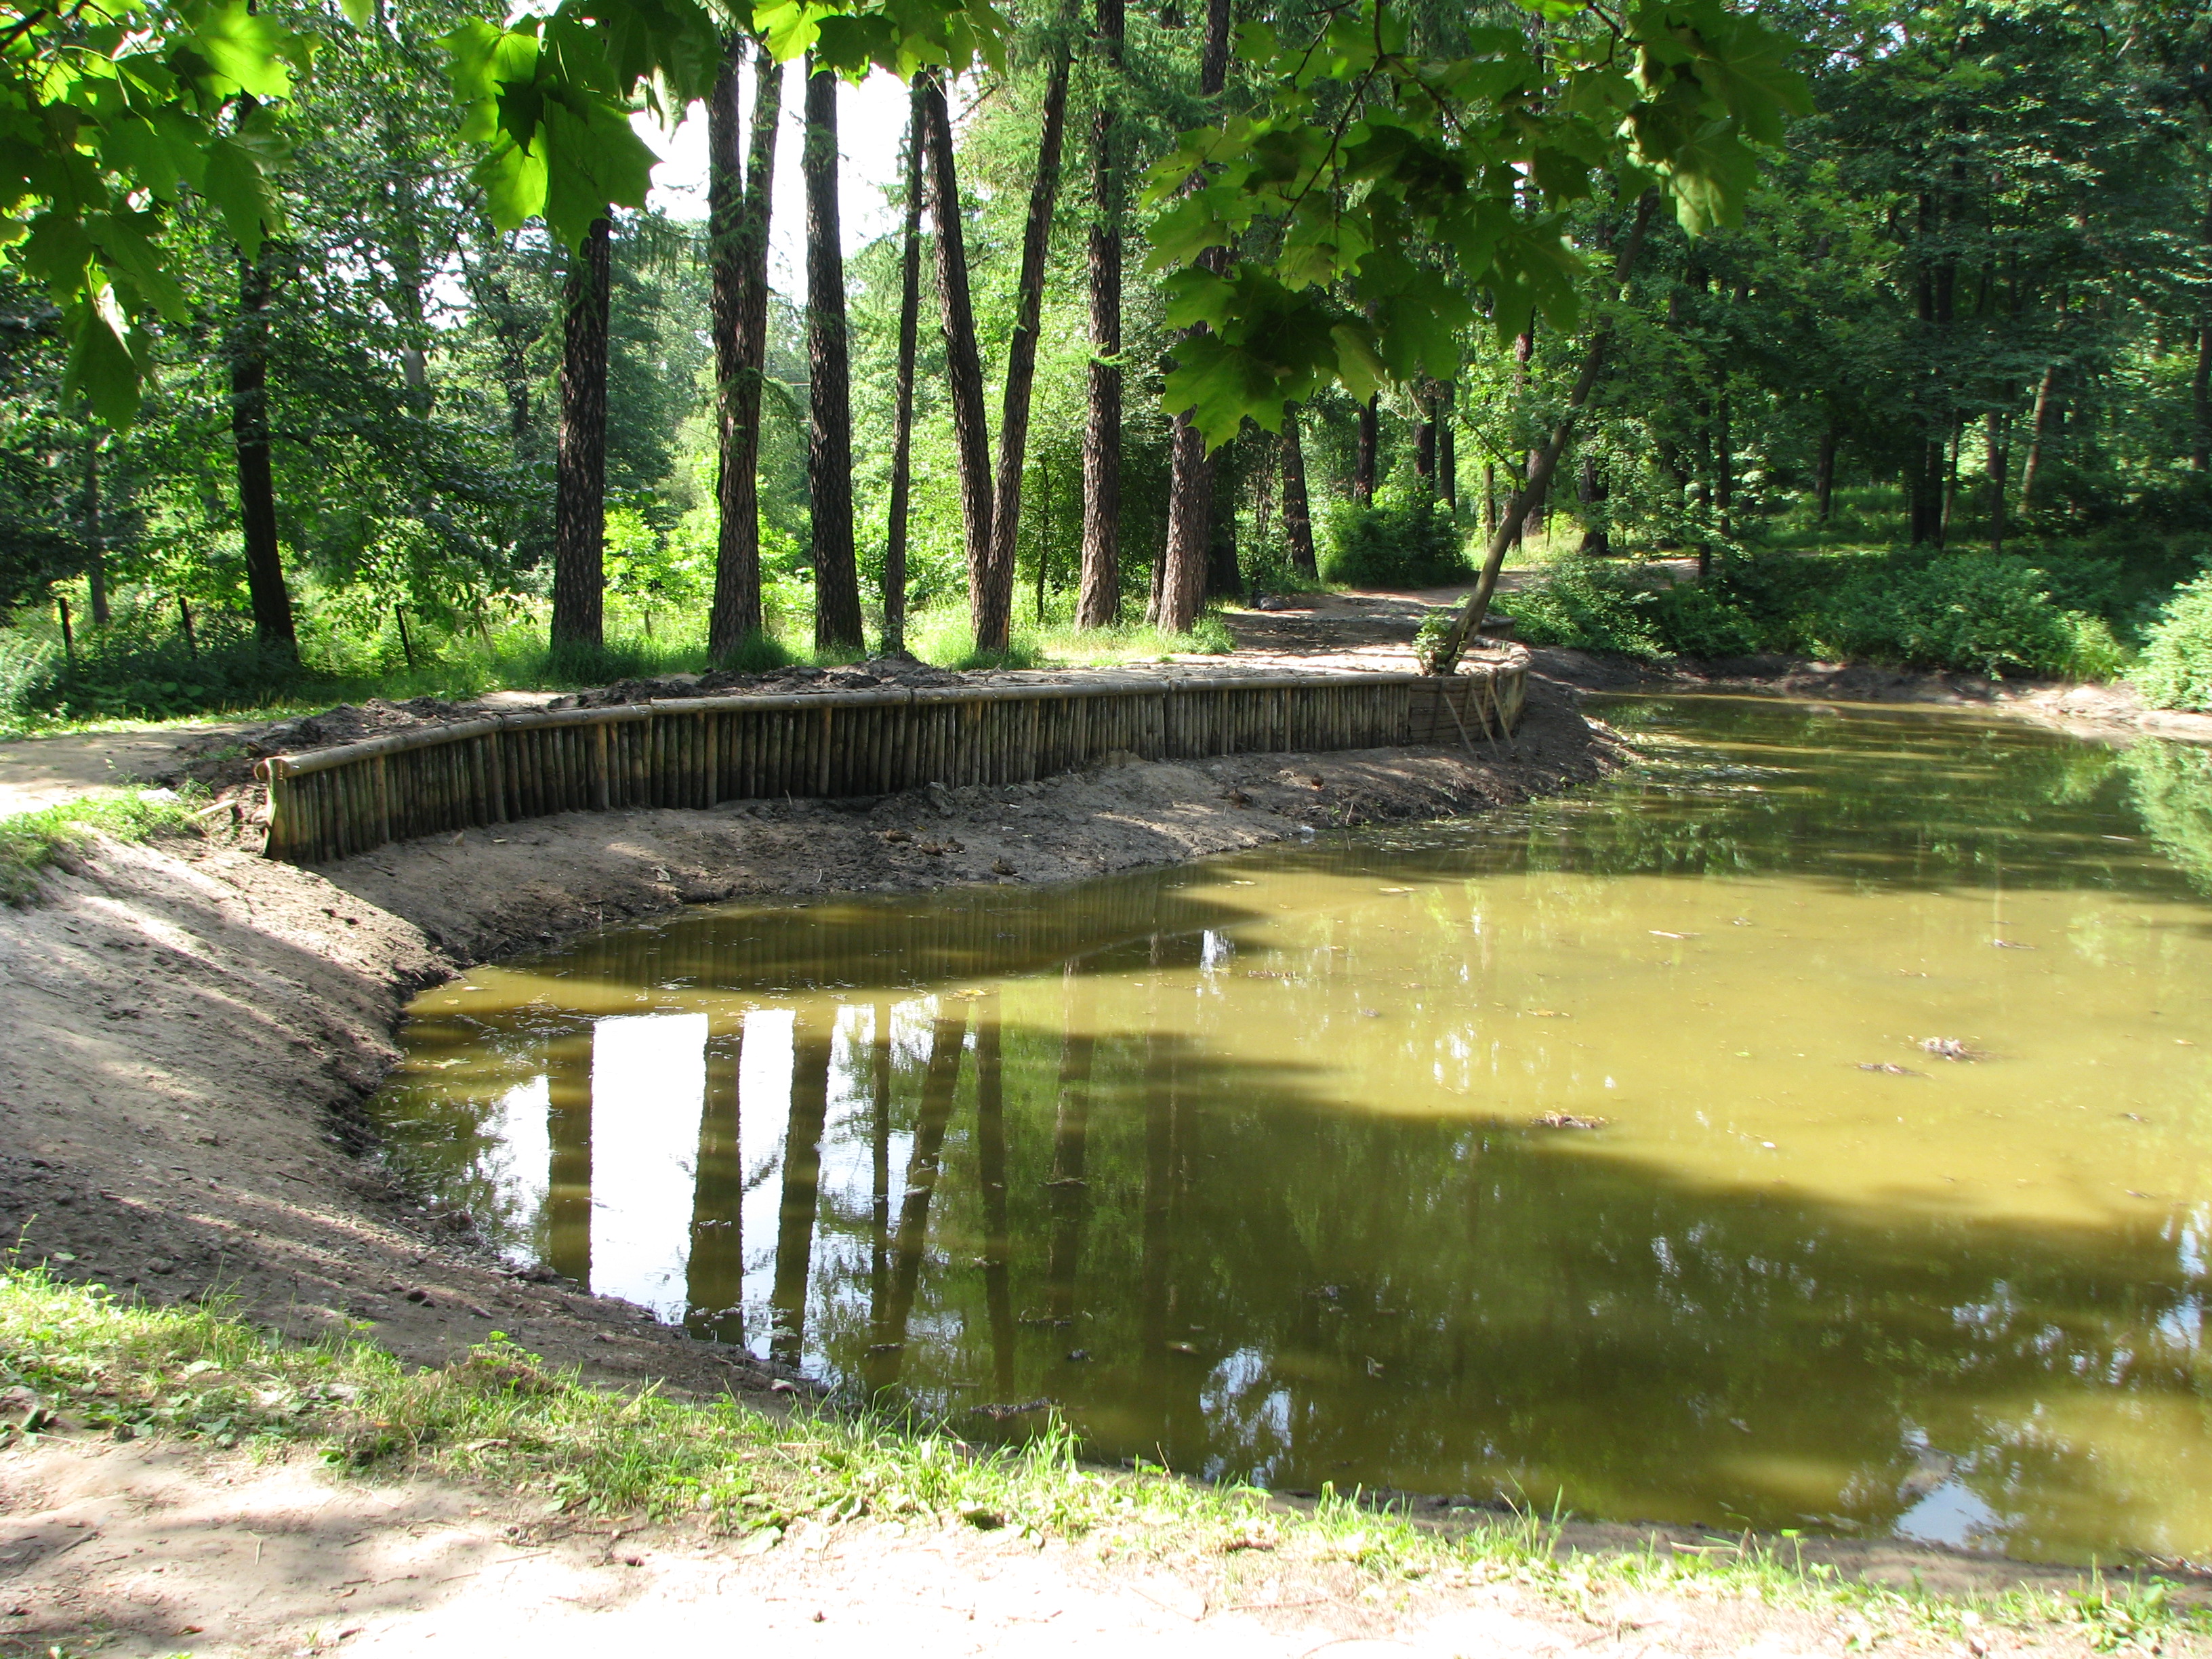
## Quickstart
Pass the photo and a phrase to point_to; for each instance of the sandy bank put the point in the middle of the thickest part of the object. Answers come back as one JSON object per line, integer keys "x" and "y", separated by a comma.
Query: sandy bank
{"x": 195, "y": 1027}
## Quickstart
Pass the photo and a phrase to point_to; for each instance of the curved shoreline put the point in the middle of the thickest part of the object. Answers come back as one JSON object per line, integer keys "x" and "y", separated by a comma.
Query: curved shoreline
{"x": 176, "y": 1005}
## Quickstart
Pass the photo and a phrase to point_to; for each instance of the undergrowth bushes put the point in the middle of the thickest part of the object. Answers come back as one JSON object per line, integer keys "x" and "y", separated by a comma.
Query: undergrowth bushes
{"x": 1964, "y": 612}
{"x": 2176, "y": 669}
{"x": 1393, "y": 544}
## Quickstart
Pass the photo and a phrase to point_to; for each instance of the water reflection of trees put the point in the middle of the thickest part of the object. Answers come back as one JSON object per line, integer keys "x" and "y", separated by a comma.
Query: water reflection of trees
{"x": 1262, "y": 1283}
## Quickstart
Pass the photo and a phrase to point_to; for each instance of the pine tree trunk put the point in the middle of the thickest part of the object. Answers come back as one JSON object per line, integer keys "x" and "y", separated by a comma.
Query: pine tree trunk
{"x": 249, "y": 432}
{"x": 1190, "y": 484}
{"x": 579, "y": 515}
{"x": 738, "y": 204}
{"x": 95, "y": 540}
{"x": 1021, "y": 364}
{"x": 1100, "y": 603}
{"x": 1424, "y": 447}
{"x": 903, "y": 412}
{"x": 1824, "y": 472}
{"x": 1224, "y": 579}
{"x": 1298, "y": 506}
{"x": 1364, "y": 457}
{"x": 837, "y": 623}
{"x": 963, "y": 367}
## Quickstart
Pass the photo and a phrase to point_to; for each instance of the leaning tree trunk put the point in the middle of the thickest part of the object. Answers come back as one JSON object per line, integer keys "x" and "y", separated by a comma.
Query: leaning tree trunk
{"x": 1547, "y": 458}
{"x": 1190, "y": 484}
{"x": 1448, "y": 447}
{"x": 1021, "y": 366}
{"x": 837, "y": 624}
{"x": 1100, "y": 603}
{"x": 1297, "y": 507}
{"x": 580, "y": 506}
{"x": 910, "y": 327}
{"x": 739, "y": 221}
{"x": 249, "y": 432}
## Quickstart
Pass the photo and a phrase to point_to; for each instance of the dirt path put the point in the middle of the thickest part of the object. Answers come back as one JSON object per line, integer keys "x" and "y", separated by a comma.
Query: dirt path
{"x": 146, "y": 1551}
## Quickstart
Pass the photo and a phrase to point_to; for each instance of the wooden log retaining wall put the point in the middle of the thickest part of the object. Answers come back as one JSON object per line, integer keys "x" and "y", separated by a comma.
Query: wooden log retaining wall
{"x": 694, "y": 751}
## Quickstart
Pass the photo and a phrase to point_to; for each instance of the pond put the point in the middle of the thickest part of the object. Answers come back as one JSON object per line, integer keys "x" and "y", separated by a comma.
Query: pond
{"x": 1809, "y": 1126}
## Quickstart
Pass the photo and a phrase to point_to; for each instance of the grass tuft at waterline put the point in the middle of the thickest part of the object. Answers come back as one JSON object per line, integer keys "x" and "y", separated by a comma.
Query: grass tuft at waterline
{"x": 79, "y": 1357}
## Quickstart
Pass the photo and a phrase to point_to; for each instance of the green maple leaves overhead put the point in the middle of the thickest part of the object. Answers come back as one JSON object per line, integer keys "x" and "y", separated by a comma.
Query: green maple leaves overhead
{"x": 1380, "y": 196}
{"x": 1383, "y": 194}
{"x": 105, "y": 117}
{"x": 550, "y": 98}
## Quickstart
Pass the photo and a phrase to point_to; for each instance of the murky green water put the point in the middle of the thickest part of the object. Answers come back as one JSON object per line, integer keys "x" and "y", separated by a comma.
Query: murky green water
{"x": 1245, "y": 1166}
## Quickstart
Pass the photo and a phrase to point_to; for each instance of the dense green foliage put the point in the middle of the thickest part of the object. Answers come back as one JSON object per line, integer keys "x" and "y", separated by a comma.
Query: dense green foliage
{"x": 1407, "y": 543}
{"x": 2176, "y": 669}
{"x": 1969, "y": 612}
{"x": 1967, "y": 304}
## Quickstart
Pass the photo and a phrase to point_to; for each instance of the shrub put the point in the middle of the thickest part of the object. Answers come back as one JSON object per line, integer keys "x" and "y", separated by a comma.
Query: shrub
{"x": 1591, "y": 606}
{"x": 2176, "y": 669}
{"x": 1393, "y": 544}
{"x": 1703, "y": 619}
{"x": 1967, "y": 611}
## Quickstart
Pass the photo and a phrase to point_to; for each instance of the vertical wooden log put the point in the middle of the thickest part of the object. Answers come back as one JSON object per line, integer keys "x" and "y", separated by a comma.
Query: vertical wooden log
{"x": 826, "y": 736}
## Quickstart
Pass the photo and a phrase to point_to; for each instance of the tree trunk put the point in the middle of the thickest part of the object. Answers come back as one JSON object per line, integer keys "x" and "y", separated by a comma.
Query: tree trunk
{"x": 1100, "y": 603}
{"x": 1448, "y": 449}
{"x": 1224, "y": 579}
{"x": 1297, "y": 507}
{"x": 1724, "y": 461}
{"x": 1547, "y": 460}
{"x": 1363, "y": 455}
{"x": 1424, "y": 447}
{"x": 1021, "y": 365}
{"x": 1950, "y": 457}
{"x": 1190, "y": 531}
{"x": 902, "y": 413}
{"x": 1597, "y": 542}
{"x": 1999, "y": 463}
{"x": 1190, "y": 483}
{"x": 2200, "y": 402}
{"x": 95, "y": 541}
{"x": 249, "y": 432}
{"x": 963, "y": 367}
{"x": 2046, "y": 401}
{"x": 739, "y": 221}
{"x": 837, "y": 624}
{"x": 1489, "y": 499}
{"x": 1824, "y": 472}
{"x": 580, "y": 514}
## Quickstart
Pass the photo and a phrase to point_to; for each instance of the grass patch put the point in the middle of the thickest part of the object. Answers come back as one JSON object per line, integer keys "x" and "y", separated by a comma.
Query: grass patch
{"x": 944, "y": 637}
{"x": 96, "y": 1361}
{"x": 31, "y": 842}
